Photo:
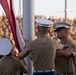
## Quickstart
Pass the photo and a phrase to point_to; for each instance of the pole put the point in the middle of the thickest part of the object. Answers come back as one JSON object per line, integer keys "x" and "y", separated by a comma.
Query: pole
{"x": 28, "y": 27}
{"x": 65, "y": 10}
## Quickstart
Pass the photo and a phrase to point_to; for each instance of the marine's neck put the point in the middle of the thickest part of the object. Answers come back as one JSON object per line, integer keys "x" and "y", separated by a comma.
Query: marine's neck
{"x": 64, "y": 40}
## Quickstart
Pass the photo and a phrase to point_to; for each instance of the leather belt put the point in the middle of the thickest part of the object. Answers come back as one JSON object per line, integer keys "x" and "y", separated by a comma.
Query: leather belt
{"x": 51, "y": 70}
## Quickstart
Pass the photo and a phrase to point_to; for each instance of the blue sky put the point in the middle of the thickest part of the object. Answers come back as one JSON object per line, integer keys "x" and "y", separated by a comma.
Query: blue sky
{"x": 49, "y": 8}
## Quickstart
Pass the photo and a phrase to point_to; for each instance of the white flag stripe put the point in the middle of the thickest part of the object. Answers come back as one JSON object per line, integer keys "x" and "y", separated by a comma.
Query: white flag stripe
{"x": 19, "y": 37}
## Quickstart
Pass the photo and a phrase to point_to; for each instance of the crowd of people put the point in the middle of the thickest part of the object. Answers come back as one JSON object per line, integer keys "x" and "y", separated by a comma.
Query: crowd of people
{"x": 5, "y": 30}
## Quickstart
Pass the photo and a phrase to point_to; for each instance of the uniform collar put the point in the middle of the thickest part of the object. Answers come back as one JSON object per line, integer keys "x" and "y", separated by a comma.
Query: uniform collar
{"x": 67, "y": 44}
{"x": 40, "y": 36}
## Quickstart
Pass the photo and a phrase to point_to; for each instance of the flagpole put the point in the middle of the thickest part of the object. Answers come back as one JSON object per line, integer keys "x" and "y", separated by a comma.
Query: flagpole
{"x": 28, "y": 27}
{"x": 65, "y": 10}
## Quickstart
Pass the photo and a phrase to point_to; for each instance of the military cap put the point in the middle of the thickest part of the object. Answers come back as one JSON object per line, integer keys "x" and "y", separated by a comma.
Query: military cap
{"x": 44, "y": 22}
{"x": 61, "y": 25}
{"x": 5, "y": 46}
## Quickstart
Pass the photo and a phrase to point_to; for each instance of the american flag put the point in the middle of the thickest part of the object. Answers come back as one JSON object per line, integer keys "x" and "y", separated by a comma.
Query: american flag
{"x": 18, "y": 38}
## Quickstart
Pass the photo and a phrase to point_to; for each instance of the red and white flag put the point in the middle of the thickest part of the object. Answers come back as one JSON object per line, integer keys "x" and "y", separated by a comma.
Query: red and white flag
{"x": 18, "y": 38}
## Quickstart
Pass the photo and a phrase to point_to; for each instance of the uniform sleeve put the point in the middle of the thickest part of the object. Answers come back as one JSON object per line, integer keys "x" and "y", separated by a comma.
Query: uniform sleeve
{"x": 57, "y": 44}
{"x": 23, "y": 66}
{"x": 27, "y": 50}
{"x": 73, "y": 49}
